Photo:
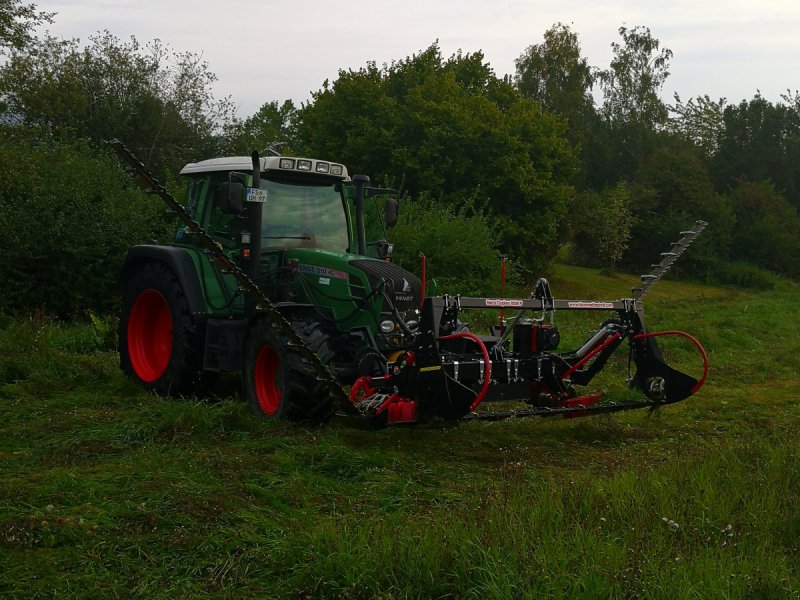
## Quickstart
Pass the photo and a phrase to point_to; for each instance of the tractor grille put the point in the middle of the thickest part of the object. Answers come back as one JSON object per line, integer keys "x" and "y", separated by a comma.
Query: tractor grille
{"x": 403, "y": 287}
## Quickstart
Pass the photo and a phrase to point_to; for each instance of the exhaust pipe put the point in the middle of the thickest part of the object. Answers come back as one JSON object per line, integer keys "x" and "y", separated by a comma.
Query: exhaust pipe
{"x": 254, "y": 217}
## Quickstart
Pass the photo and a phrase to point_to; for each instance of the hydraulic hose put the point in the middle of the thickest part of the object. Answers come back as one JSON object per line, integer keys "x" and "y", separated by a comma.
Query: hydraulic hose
{"x": 702, "y": 380}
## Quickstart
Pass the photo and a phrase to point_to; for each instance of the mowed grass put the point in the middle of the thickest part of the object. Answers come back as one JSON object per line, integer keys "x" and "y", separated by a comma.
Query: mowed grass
{"x": 109, "y": 492}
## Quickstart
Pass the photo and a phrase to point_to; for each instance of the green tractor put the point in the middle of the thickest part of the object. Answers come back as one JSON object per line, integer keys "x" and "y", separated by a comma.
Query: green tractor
{"x": 185, "y": 317}
{"x": 271, "y": 274}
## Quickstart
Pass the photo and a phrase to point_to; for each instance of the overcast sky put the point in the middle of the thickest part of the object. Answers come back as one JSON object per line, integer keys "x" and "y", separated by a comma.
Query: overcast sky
{"x": 266, "y": 50}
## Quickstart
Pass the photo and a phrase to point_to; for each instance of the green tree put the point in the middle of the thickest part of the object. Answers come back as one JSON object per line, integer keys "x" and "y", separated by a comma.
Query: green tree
{"x": 760, "y": 141}
{"x": 272, "y": 126}
{"x": 601, "y": 226}
{"x": 632, "y": 117}
{"x": 632, "y": 84}
{"x": 453, "y": 129}
{"x": 673, "y": 189}
{"x": 699, "y": 121}
{"x": 558, "y": 77}
{"x": 17, "y": 22}
{"x": 460, "y": 245}
{"x": 157, "y": 101}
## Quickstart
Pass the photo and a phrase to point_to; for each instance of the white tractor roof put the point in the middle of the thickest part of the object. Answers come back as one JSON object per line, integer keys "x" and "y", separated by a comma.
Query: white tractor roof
{"x": 282, "y": 164}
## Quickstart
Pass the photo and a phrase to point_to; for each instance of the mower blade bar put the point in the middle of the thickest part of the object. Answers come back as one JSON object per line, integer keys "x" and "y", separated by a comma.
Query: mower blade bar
{"x": 669, "y": 258}
{"x": 566, "y": 411}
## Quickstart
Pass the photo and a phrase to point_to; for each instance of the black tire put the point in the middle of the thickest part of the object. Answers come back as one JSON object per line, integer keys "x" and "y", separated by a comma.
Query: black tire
{"x": 278, "y": 382}
{"x": 159, "y": 345}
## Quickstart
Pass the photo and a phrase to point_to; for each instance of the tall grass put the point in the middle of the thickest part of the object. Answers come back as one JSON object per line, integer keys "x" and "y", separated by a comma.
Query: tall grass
{"x": 109, "y": 492}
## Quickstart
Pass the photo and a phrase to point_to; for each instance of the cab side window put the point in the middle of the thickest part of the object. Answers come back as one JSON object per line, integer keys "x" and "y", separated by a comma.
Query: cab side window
{"x": 197, "y": 187}
{"x": 220, "y": 225}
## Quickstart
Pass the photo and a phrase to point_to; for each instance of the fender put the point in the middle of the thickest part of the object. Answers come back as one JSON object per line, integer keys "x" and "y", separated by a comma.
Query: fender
{"x": 178, "y": 260}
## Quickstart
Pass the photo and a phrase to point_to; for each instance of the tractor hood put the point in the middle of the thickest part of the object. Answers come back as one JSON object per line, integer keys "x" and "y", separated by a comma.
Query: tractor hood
{"x": 339, "y": 277}
{"x": 402, "y": 287}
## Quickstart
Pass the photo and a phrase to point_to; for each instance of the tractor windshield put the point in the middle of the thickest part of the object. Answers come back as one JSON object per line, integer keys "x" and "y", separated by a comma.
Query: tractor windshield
{"x": 303, "y": 216}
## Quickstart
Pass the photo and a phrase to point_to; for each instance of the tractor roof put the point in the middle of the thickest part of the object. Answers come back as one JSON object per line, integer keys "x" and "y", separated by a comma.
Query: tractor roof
{"x": 281, "y": 164}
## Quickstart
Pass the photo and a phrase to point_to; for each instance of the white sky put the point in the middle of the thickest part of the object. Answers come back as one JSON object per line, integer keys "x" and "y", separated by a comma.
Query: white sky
{"x": 266, "y": 50}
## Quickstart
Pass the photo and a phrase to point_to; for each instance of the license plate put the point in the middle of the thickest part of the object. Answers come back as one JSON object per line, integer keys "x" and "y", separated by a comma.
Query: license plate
{"x": 256, "y": 195}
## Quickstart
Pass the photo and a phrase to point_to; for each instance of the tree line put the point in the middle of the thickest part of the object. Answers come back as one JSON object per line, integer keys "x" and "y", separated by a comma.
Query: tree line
{"x": 532, "y": 166}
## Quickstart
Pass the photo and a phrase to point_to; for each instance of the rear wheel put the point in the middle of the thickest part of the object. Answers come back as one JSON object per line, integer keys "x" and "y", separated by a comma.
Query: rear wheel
{"x": 159, "y": 346}
{"x": 278, "y": 382}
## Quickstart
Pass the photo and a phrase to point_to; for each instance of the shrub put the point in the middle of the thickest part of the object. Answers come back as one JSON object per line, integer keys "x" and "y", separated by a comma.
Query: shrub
{"x": 68, "y": 213}
{"x": 459, "y": 243}
{"x": 767, "y": 230}
{"x": 743, "y": 275}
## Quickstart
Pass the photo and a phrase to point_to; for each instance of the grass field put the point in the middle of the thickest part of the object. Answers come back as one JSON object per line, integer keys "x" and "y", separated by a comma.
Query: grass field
{"x": 109, "y": 492}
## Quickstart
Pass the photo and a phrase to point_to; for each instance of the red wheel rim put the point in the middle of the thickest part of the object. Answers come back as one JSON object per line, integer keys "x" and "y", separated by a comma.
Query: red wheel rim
{"x": 150, "y": 335}
{"x": 265, "y": 381}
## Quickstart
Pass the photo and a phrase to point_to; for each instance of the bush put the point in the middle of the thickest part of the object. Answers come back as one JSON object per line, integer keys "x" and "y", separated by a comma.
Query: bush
{"x": 68, "y": 213}
{"x": 743, "y": 275}
{"x": 459, "y": 243}
{"x": 767, "y": 230}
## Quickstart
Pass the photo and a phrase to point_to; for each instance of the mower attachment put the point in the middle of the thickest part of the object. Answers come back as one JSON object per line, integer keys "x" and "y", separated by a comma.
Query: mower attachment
{"x": 450, "y": 371}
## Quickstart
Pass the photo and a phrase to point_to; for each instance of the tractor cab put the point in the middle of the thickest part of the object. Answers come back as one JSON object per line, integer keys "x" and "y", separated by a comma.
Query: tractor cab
{"x": 302, "y": 201}
{"x": 306, "y": 203}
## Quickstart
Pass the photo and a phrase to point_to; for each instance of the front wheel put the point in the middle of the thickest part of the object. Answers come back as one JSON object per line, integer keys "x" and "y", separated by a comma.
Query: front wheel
{"x": 278, "y": 382}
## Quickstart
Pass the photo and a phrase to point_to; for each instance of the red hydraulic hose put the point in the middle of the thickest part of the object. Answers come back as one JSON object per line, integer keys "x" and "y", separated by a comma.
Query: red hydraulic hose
{"x": 424, "y": 280}
{"x": 597, "y": 349}
{"x": 502, "y": 292}
{"x": 702, "y": 380}
{"x": 487, "y": 370}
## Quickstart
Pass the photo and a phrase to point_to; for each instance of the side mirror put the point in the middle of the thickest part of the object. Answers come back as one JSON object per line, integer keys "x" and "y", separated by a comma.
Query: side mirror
{"x": 391, "y": 211}
{"x": 232, "y": 197}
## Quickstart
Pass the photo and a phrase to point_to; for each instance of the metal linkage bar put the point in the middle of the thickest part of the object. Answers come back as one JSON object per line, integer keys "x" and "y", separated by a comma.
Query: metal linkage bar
{"x": 538, "y": 304}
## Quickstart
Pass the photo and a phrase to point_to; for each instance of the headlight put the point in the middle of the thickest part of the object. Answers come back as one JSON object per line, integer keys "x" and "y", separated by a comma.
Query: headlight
{"x": 387, "y": 326}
